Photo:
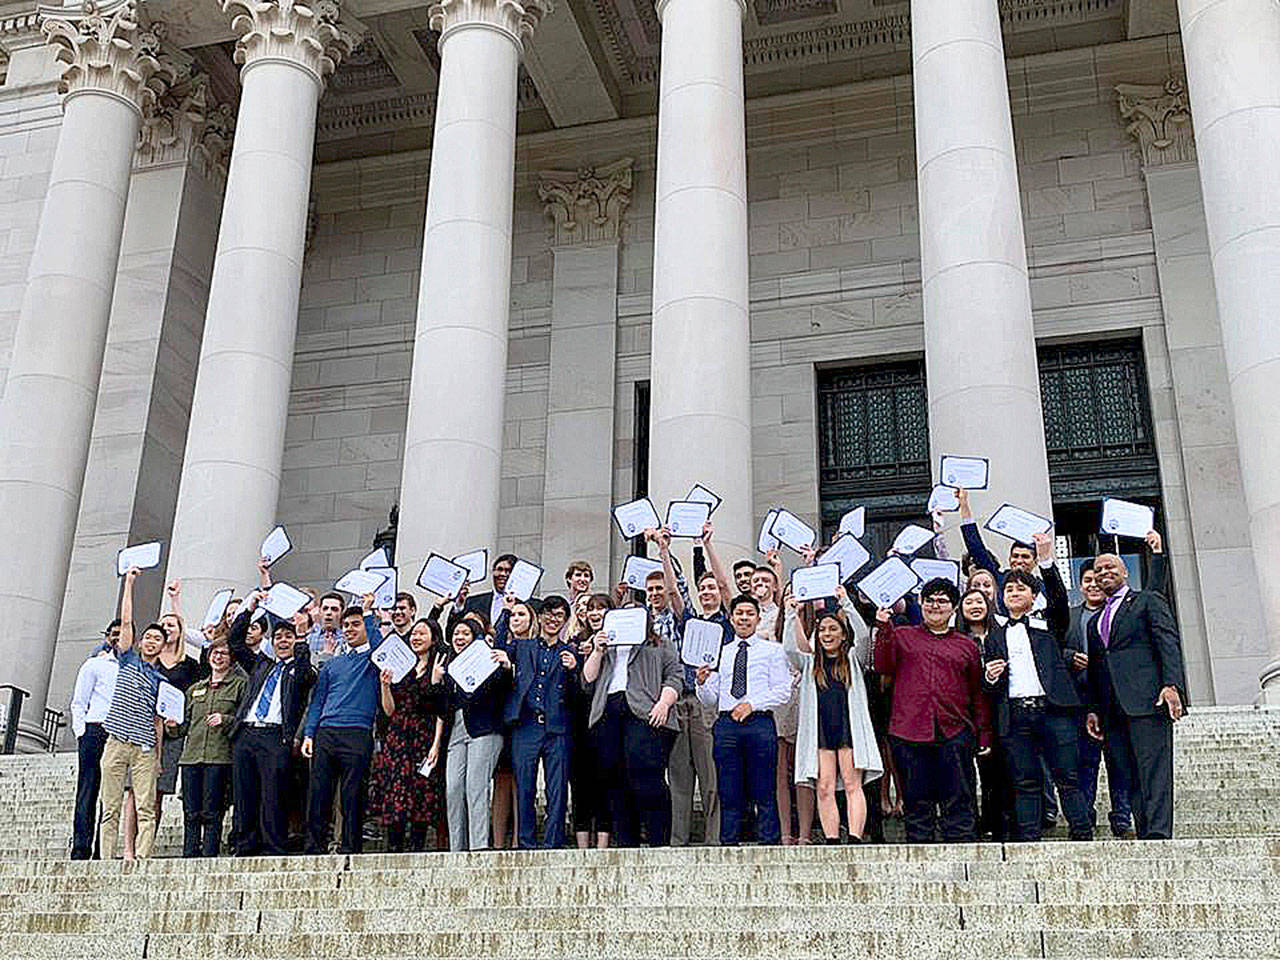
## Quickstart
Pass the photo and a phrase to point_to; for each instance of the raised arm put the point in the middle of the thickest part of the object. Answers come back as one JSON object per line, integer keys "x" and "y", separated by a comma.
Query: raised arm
{"x": 1057, "y": 612}
{"x": 793, "y": 633}
{"x": 125, "y": 642}
{"x": 973, "y": 538}
{"x": 861, "y": 634}
{"x": 674, "y": 595}
{"x": 717, "y": 568}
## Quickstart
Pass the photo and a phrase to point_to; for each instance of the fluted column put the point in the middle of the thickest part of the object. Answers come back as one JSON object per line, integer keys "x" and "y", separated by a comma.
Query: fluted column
{"x": 235, "y": 442}
{"x": 112, "y": 75}
{"x": 1232, "y": 50}
{"x": 980, "y": 347}
{"x": 453, "y": 438}
{"x": 700, "y": 366}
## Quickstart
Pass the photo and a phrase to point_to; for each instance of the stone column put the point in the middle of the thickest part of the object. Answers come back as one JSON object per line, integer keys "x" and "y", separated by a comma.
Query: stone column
{"x": 1232, "y": 50}
{"x": 111, "y": 77}
{"x": 980, "y": 347}
{"x": 586, "y": 207}
{"x": 235, "y": 442}
{"x": 453, "y": 440}
{"x": 700, "y": 400}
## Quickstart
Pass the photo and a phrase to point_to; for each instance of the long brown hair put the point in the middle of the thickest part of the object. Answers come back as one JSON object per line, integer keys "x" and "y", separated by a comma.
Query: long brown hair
{"x": 841, "y": 669}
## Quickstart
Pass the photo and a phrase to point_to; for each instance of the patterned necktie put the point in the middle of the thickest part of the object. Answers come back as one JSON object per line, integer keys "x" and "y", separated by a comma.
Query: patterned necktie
{"x": 738, "y": 688}
{"x": 268, "y": 688}
{"x": 1104, "y": 627}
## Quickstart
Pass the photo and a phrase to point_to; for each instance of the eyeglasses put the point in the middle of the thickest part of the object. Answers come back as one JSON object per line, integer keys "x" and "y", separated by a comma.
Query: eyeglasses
{"x": 937, "y": 602}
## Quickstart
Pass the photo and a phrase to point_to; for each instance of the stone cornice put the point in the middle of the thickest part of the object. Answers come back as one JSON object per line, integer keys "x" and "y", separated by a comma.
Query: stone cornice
{"x": 586, "y": 205}
{"x": 188, "y": 125}
{"x": 20, "y": 30}
{"x": 314, "y": 38}
{"x": 1159, "y": 119}
{"x": 516, "y": 19}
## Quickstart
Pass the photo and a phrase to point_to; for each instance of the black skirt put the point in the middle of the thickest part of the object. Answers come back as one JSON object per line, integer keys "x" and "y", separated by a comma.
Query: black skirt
{"x": 833, "y": 716}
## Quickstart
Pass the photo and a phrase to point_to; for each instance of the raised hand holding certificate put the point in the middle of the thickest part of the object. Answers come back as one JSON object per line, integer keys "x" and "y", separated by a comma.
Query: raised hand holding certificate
{"x": 702, "y": 642}
{"x": 854, "y": 522}
{"x": 1017, "y": 524}
{"x": 283, "y": 601}
{"x": 795, "y": 533}
{"x": 848, "y": 553}
{"x": 394, "y": 656}
{"x": 927, "y": 569}
{"x": 384, "y": 598}
{"x": 626, "y": 627}
{"x": 217, "y": 607}
{"x": 888, "y": 583}
{"x": 911, "y": 539}
{"x": 170, "y": 702}
{"x": 686, "y": 518}
{"x": 477, "y": 564}
{"x": 701, "y": 493}
{"x": 966, "y": 473}
{"x": 767, "y": 541}
{"x": 523, "y": 580}
{"x": 636, "y": 571}
{"x": 943, "y": 499}
{"x": 442, "y": 577}
{"x": 473, "y": 666}
{"x": 376, "y": 558}
{"x": 275, "y": 546}
{"x": 816, "y": 582}
{"x": 1124, "y": 519}
{"x": 144, "y": 556}
{"x": 635, "y": 517}
{"x": 360, "y": 582}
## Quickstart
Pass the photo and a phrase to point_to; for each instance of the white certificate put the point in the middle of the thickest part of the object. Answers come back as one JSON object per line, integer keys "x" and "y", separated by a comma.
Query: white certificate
{"x": 848, "y": 553}
{"x": 442, "y": 576}
{"x": 927, "y": 569}
{"x": 284, "y": 601}
{"x": 477, "y": 564}
{"x": 378, "y": 558}
{"x": 1018, "y": 524}
{"x": 360, "y": 582}
{"x": 626, "y": 627}
{"x": 685, "y": 518}
{"x": 795, "y": 533}
{"x": 635, "y": 517}
{"x": 703, "y": 640}
{"x": 702, "y": 494}
{"x": 524, "y": 579}
{"x": 767, "y": 541}
{"x": 473, "y": 666}
{"x": 816, "y": 582}
{"x": 144, "y": 556}
{"x": 888, "y": 583}
{"x": 943, "y": 499}
{"x": 217, "y": 607}
{"x": 967, "y": 473}
{"x": 911, "y": 539}
{"x": 1125, "y": 519}
{"x": 854, "y": 522}
{"x": 395, "y": 656}
{"x": 384, "y": 598}
{"x": 636, "y": 571}
{"x": 275, "y": 546}
{"x": 170, "y": 702}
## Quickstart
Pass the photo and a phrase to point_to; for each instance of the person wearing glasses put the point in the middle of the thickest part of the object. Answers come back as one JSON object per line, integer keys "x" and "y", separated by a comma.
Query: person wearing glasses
{"x": 939, "y": 716}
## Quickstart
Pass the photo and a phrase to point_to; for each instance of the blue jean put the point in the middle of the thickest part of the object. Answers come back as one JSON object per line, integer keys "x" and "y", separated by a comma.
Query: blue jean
{"x": 88, "y": 782}
{"x": 1039, "y": 736}
{"x": 939, "y": 788}
{"x": 1092, "y": 753}
{"x": 531, "y": 742}
{"x": 746, "y": 756}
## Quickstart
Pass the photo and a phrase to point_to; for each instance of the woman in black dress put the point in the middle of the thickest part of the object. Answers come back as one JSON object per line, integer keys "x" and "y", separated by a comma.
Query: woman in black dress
{"x": 977, "y": 617}
{"x": 591, "y": 821}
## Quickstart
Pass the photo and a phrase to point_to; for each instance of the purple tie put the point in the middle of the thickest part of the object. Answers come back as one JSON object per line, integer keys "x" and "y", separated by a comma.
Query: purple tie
{"x": 1104, "y": 628}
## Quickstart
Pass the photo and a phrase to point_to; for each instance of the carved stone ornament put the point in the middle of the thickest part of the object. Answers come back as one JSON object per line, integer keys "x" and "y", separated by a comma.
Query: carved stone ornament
{"x": 106, "y": 51}
{"x": 313, "y": 36}
{"x": 188, "y": 125}
{"x": 1160, "y": 120}
{"x": 516, "y": 18}
{"x": 587, "y": 205}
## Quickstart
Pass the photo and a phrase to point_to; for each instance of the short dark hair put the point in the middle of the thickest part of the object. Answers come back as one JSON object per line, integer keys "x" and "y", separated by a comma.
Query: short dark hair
{"x": 654, "y": 575}
{"x": 353, "y": 611}
{"x": 111, "y": 626}
{"x": 331, "y": 596}
{"x": 554, "y": 602}
{"x": 407, "y": 598}
{"x": 941, "y": 585}
{"x": 1022, "y": 577}
{"x": 742, "y": 598}
{"x": 284, "y": 626}
{"x": 1019, "y": 545}
{"x": 1087, "y": 566}
{"x": 510, "y": 558}
{"x": 705, "y": 574}
{"x": 744, "y": 563}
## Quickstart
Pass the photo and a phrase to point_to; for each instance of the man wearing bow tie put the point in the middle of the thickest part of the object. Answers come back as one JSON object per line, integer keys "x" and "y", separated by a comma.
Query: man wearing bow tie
{"x": 1136, "y": 691}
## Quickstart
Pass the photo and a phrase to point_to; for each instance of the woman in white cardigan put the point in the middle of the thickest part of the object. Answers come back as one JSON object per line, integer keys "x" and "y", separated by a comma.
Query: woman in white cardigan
{"x": 836, "y": 748}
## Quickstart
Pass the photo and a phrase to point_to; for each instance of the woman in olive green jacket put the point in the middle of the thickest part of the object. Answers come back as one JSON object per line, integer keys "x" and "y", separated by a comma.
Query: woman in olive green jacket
{"x": 206, "y": 758}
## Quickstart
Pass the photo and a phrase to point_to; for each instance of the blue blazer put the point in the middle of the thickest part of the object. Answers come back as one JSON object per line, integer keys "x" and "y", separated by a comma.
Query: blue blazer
{"x": 524, "y": 657}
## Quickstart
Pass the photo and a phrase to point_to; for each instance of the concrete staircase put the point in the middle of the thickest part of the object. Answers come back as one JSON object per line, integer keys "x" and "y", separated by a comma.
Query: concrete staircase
{"x": 1215, "y": 893}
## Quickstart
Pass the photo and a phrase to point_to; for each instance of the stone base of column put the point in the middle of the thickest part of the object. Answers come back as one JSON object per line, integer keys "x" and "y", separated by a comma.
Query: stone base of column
{"x": 1270, "y": 681}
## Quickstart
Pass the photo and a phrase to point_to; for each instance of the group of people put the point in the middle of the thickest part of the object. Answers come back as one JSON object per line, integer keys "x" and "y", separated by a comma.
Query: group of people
{"x": 972, "y": 710}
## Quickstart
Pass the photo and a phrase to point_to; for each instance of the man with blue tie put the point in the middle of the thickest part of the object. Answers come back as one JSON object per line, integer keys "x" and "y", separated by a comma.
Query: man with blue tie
{"x": 745, "y": 737}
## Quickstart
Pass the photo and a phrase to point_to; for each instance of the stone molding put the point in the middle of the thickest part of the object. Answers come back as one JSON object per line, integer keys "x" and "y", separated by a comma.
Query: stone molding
{"x": 188, "y": 124}
{"x": 587, "y": 205}
{"x": 106, "y": 51}
{"x": 516, "y": 19}
{"x": 1159, "y": 119}
{"x": 21, "y": 30}
{"x": 314, "y": 38}
{"x": 661, "y": 5}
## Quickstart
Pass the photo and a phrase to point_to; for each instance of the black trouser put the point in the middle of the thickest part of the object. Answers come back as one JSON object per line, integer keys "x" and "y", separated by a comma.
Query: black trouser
{"x": 997, "y": 794}
{"x": 414, "y": 840}
{"x": 1143, "y": 748}
{"x": 938, "y": 788}
{"x": 204, "y": 805}
{"x": 1039, "y": 734}
{"x": 259, "y": 772}
{"x": 1092, "y": 754}
{"x": 88, "y": 781}
{"x": 633, "y": 761}
{"x": 339, "y": 762}
{"x": 590, "y": 806}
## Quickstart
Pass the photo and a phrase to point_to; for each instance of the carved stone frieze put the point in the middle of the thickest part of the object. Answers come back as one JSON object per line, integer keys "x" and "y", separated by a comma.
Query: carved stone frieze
{"x": 586, "y": 205}
{"x": 516, "y": 18}
{"x": 315, "y": 36}
{"x": 188, "y": 124}
{"x": 1159, "y": 118}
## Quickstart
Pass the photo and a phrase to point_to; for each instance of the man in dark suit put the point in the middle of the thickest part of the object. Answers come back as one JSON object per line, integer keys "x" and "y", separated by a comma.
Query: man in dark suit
{"x": 1036, "y": 706}
{"x": 489, "y": 603}
{"x": 1136, "y": 691}
{"x": 265, "y": 731}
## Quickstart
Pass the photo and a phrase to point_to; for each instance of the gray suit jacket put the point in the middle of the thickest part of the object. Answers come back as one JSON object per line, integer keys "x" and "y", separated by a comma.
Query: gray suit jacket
{"x": 649, "y": 669}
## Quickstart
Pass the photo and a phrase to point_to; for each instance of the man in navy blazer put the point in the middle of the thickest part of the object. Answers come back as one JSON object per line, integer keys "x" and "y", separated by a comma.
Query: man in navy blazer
{"x": 1035, "y": 703}
{"x": 1137, "y": 689}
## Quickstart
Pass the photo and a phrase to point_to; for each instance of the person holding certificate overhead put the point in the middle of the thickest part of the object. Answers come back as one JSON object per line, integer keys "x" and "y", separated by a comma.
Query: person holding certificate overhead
{"x": 633, "y": 690}
{"x": 1022, "y": 556}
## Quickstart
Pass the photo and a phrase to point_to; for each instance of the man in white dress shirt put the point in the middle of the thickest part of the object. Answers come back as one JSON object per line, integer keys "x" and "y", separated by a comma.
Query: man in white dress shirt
{"x": 746, "y": 740}
{"x": 95, "y": 683}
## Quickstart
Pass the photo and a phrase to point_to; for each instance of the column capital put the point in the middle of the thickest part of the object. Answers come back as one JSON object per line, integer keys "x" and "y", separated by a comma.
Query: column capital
{"x": 106, "y": 51}
{"x": 313, "y": 37}
{"x": 587, "y": 205}
{"x": 517, "y": 19}
{"x": 1159, "y": 120}
{"x": 188, "y": 124}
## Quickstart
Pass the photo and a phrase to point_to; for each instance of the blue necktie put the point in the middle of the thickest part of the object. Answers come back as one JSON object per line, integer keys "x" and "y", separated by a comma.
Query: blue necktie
{"x": 268, "y": 688}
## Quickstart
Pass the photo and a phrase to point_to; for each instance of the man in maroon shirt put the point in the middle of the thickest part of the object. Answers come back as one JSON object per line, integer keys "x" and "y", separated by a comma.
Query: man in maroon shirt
{"x": 939, "y": 716}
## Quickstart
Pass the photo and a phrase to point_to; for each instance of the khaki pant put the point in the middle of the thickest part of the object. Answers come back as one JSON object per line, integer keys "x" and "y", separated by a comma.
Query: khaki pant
{"x": 119, "y": 758}
{"x": 691, "y": 758}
